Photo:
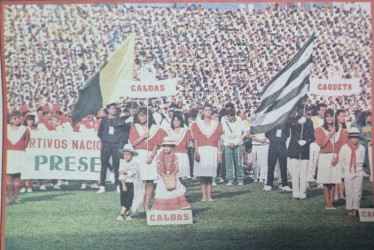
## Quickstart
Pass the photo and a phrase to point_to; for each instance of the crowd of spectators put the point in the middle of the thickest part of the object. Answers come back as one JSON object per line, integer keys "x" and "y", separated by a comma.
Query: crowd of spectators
{"x": 219, "y": 56}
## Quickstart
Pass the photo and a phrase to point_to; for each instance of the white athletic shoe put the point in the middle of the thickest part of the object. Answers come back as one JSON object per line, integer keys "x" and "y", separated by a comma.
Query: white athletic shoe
{"x": 286, "y": 188}
{"x": 240, "y": 184}
{"x": 95, "y": 186}
{"x": 43, "y": 187}
{"x": 56, "y": 187}
{"x": 22, "y": 190}
{"x": 214, "y": 184}
{"x": 83, "y": 186}
{"x": 221, "y": 180}
{"x": 29, "y": 190}
{"x": 267, "y": 188}
{"x": 101, "y": 190}
{"x": 229, "y": 184}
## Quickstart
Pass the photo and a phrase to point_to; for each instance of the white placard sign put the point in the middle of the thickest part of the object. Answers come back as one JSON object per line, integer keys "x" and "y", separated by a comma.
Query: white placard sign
{"x": 334, "y": 86}
{"x": 366, "y": 214}
{"x": 173, "y": 217}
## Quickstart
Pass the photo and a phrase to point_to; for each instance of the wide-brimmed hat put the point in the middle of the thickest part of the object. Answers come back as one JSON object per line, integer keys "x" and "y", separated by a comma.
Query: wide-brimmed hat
{"x": 353, "y": 133}
{"x": 169, "y": 141}
{"x": 128, "y": 148}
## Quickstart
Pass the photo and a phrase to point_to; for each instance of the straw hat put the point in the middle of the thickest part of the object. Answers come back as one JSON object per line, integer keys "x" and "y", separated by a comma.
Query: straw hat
{"x": 128, "y": 148}
{"x": 169, "y": 141}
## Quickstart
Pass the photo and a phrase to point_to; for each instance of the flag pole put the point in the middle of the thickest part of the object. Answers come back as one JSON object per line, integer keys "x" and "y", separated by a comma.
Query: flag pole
{"x": 147, "y": 128}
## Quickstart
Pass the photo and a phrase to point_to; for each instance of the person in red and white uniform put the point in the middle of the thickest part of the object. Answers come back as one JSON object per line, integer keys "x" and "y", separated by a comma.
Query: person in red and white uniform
{"x": 17, "y": 140}
{"x": 182, "y": 136}
{"x": 146, "y": 137}
{"x": 208, "y": 152}
{"x": 45, "y": 124}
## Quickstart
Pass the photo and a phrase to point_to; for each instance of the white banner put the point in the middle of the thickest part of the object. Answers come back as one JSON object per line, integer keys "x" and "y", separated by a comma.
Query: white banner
{"x": 54, "y": 155}
{"x": 149, "y": 89}
{"x": 334, "y": 86}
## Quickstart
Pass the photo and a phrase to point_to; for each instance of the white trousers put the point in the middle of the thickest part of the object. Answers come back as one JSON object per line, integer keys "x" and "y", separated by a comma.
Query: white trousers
{"x": 353, "y": 190}
{"x": 299, "y": 170}
{"x": 313, "y": 160}
{"x": 370, "y": 148}
{"x": 260, "y": 161}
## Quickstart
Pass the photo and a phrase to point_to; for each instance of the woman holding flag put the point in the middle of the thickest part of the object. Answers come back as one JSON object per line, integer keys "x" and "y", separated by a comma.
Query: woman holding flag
{"x": 146, "y": 137}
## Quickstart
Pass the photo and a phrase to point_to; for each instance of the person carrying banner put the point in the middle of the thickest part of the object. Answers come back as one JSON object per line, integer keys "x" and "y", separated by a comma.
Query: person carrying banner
{"x": 351, "y": 159}
{"x": 145, "y": 137}
{"x": 167, "y": 166}
{"x": 207, "y": 134}
{"x": 302, "y": 135}
{"x": 45, "y": 124}
{"x": 130, "y": 183}
{"x": 16, "y": 142}
{"x": 111, "y": 134}
{"x": 277, "y": 152}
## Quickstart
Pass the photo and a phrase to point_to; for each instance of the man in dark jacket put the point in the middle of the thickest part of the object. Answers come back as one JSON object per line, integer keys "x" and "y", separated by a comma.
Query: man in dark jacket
{"x": 277, "y": 152}
{"x": 302, "y": 135}
{"x": 112, "y": 133}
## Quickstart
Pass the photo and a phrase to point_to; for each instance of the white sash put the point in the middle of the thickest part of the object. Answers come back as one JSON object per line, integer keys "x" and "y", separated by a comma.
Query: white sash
{"x": 14, "y": 135}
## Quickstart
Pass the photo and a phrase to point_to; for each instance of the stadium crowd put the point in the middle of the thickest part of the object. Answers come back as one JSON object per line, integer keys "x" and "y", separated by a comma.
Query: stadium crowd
{"x": 219, "y": 56}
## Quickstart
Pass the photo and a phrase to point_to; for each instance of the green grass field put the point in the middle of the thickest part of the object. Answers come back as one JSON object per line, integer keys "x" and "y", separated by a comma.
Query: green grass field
{"x": 241, "y": 217}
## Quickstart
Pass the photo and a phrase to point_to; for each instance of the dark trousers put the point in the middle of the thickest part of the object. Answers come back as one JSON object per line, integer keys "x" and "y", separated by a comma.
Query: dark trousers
{"x": 126, "y": 198}
{"x": 221, "y": 168}
{"x": 191, "y": 156}
{"x": 109, "y": 151}
{"x": 277, "y": 151}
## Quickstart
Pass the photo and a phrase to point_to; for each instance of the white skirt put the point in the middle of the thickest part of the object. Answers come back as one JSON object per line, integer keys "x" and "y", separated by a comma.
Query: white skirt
{"x": 147, "y": 172}
{"x": 183, "y": 164}
{"x": 327, "y": 173}
{"x": 207, "y": 167}
{"x": 15, "y": 161}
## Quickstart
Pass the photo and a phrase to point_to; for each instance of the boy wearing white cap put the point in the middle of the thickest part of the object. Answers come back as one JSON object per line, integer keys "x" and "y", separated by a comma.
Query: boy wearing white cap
{"x": 351, "y": 159}
{"x": 130, "y": 185}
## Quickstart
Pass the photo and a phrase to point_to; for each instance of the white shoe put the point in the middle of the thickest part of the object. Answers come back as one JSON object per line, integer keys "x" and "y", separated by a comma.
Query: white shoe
{"x": 43, "y": 187}
{"x": 22, "y": 190}
{"x": 214, "y": 184}
{"x": 118, "y": 189}
{"x": 29, "y": 190}
{"x": 56, "y": 187}
{"x": 95, "y": 186}
{"x": 229, "y": 184}
{"x": 221, "y": 180}
{"x": 101, "y": 190}
{"x": 286, "y": 188}
{"x": 240, "y": 184}
{"x": 188, "y": 177}
{"x": 84, "y": 186}
{"x": 267, "y": 188}
{"x": 65, "y": 183}
{"x": 320, "y": 186}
